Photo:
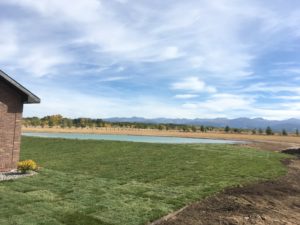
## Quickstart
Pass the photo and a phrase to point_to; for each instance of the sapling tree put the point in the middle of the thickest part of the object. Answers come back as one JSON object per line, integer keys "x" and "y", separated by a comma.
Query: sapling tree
{"x": 227, "y": 129}
{"x": 269, "y": 131}
{"x": 284, "y": 133}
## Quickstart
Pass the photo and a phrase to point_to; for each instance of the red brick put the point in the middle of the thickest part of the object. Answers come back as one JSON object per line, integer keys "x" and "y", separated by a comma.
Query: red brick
{"x": 11, "y": 107}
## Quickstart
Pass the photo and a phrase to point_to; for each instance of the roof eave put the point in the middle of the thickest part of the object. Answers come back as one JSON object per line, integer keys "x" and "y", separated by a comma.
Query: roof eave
{"x": 31, "y": 98}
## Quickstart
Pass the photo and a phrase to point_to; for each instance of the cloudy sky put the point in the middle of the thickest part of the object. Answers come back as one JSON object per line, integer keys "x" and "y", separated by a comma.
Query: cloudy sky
{"x": 176, "y": 59}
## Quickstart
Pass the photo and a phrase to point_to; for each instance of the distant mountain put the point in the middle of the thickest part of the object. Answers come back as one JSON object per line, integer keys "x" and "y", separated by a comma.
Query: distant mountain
{"x": 243, "y": 122}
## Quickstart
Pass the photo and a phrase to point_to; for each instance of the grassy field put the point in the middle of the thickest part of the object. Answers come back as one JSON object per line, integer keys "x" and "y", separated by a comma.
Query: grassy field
{"x": 103, "y": 182}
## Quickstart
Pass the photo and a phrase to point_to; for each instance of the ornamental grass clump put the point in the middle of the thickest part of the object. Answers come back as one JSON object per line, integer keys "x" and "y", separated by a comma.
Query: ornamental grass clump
{"x": 27, "y": 166}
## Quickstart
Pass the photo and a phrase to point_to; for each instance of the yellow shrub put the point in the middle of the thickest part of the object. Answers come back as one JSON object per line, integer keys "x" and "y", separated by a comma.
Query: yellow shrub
{"x": 27, "y": 165}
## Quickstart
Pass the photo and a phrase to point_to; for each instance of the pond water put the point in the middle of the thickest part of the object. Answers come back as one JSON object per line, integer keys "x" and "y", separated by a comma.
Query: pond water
{"x": 132, "y": 138}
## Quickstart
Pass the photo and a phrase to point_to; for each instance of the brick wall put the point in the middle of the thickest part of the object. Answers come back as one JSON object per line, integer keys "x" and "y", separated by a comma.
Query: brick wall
{"x": 11, "y": 108}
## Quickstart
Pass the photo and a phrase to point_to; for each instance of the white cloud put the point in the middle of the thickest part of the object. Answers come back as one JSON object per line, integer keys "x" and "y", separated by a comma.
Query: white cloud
{"x": 120, "y": 69}
{"x": 113, "y": 78}
{"x": 224, "y": 63}
{"x": 185, "y": 96}
{"x": 226, "y": 102}
{"x": 72, "y": 104}
{"x": 224, "y": 41}
{"x": 42, "y": 61}
{"x": 289, "y": 97}
{"x": 95, "y": 24}
{"x": 89, "y": 105}
{"x": 216, "y": 39}
{"x": 197, "y": 61}
{"x": 8, "y": 41}
{"x": 141, "y": 32}
{"x": 77, "y": 10}
{"x": 84, "y": 105}
{"x": 293, "y": 70}
{"x": 193, "y": 84}
{"x": 233, "y": 106}
{"x": 276, "y": 114}
{"x": 171, "y": 52}
{"x": 222, "y": 103}
{"x": 265, "y": 87}
{"x": 37, "y": 60}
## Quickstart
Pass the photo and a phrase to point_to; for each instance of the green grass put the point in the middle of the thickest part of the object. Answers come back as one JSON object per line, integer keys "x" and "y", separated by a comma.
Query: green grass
{"x": 104, "y": 182}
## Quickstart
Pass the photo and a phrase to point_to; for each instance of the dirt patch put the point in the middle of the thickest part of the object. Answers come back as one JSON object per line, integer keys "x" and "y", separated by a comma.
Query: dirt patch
{"x": 292, "y": 151}
{"x": 267, "y": 203}
{"x": 270, "y": 146}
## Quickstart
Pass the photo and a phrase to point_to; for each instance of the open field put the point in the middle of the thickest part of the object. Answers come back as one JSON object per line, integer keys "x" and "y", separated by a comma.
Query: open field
{"x": 279, "y": 141}
{"x": 105, "y": 182}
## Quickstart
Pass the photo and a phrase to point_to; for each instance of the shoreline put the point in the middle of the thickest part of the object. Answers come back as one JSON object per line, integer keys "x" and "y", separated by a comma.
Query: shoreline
{"x": 289, "y": 141}
{"x": 117, "y": 131}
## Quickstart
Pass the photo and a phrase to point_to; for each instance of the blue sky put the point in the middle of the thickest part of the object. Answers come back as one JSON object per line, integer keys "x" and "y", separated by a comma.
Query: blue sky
{"x": 176, "y": 59}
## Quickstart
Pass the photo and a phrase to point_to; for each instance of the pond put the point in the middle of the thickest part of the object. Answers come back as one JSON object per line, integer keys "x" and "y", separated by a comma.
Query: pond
{"x": 132, "y": 138}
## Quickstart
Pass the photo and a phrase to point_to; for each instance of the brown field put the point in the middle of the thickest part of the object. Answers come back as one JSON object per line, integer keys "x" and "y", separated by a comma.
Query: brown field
{"x": 271, "y": 142}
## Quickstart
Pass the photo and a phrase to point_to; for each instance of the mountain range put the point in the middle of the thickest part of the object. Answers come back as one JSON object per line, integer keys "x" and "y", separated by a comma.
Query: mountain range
{"x": 245, "y": 123}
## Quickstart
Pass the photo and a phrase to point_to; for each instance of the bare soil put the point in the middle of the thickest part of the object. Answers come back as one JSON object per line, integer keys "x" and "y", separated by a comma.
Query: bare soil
{"x": 266, "y": 203}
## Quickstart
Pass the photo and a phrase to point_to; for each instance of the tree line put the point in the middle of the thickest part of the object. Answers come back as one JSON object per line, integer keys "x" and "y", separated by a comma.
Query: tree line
{"x": 63, "y": 122}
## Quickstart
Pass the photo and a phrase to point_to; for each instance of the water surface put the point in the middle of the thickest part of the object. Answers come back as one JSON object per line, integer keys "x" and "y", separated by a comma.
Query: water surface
{"x": 132, "y": 138}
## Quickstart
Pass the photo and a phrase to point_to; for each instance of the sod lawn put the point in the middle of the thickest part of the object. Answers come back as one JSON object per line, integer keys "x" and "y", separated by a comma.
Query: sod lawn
{"x": 86, "y": 182}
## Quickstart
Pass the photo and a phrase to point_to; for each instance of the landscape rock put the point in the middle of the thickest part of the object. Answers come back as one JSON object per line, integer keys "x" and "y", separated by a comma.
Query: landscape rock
{"x": 14, "y": 174}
